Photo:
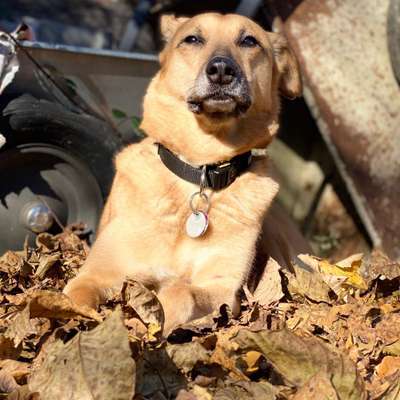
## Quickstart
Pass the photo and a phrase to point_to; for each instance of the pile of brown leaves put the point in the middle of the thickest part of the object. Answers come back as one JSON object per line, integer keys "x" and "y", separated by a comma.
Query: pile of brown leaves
{"x": 317, "y": 331}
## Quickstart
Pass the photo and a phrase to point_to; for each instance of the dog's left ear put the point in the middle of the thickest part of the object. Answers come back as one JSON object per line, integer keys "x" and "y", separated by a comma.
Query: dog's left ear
{"x": 169, "y": 24}
{"x": 287, "y": 66}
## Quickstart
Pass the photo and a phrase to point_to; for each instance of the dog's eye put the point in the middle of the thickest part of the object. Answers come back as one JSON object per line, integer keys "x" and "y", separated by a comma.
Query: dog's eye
{"x": 249, "y": 41}
{"x": 192, "y": 39}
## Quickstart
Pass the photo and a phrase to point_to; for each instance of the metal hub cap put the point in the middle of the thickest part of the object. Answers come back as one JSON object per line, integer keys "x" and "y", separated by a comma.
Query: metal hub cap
{"x": 37, "y": 217}
{"x": 43, "y": 188}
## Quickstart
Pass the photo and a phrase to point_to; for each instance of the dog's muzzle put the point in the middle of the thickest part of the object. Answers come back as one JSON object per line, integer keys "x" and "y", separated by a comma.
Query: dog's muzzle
{"x": 221, "y": 89}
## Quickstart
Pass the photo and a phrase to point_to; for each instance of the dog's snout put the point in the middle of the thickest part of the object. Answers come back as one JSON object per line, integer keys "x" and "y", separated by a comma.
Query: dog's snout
{"x": 221, "y": 70}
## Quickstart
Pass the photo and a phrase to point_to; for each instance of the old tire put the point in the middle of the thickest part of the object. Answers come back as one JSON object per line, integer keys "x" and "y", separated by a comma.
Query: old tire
{"x": 56, "y": 158}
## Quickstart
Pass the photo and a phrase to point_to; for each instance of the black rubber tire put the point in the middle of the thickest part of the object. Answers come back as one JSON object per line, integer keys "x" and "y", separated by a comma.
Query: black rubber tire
{"x": 90, "y": 139}
{"x": 89, "y": 143}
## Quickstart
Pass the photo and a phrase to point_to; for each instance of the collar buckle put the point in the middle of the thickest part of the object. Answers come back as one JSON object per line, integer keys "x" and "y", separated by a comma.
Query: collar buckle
{"x": 223, "y": 175}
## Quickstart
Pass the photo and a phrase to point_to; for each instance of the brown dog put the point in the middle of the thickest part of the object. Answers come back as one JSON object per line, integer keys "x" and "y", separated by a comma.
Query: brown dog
{"x": 216, "y": 97}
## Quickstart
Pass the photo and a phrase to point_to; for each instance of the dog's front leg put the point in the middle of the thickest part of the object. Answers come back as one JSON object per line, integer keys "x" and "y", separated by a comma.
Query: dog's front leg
{"x": 179, "y": 305}
{"x": 86, "y": 291}
{"x": 113, "y": 258}
{"x": 97, "y": 281}
{"x": 183, "y": 302}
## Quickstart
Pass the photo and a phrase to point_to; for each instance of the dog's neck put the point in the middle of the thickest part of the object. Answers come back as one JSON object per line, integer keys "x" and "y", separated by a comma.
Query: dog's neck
{"x": 214, "y": 176}
{"x": 168, "y": 121}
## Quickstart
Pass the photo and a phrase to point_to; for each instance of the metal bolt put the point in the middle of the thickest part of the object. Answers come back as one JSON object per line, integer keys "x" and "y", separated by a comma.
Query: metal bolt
{"x": 37, "y": 217}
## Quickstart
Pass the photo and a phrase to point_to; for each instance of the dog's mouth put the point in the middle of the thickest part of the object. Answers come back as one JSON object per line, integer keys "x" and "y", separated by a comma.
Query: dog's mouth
{"x": 219, "y": 104}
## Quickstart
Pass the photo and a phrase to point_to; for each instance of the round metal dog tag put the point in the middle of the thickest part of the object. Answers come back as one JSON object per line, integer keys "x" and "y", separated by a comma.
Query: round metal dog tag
{"x": 196, "y": 224}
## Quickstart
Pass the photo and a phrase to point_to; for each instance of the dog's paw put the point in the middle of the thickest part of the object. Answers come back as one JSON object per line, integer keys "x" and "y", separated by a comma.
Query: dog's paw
{"x": 83, "y": 294}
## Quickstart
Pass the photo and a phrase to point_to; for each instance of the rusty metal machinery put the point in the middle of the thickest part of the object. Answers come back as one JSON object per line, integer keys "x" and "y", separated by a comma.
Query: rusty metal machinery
{"x": 354, "y": 97}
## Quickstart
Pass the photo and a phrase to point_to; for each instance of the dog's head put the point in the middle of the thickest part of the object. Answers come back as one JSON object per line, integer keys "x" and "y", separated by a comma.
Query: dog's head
{"x": 223, "y": 72}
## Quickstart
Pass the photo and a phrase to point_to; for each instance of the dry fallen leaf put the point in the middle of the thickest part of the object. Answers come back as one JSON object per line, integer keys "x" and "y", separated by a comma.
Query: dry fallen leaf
{"x": 45, "y": 304}
{"x": 352, "y": 274}
{"x": 145, "y": 304}
{"x": 156, "y": 372}
{"x": 381, "y": 266}
{"x": 7, "y": 382}
{"x": 224, "y": 351}
{"x": 388, "y": 366}
{"x": 17, "y": 369}
{"x": 92, "y": 365}
{"x": 346, "y": 272}
{"x": 20, "y": 327}
{"x": 23, "y": 393}
{"x": 247, "y": 391}
{"x": 319, "y": 383}
{"x": 252, "y": 358}
{"x": 185, "y": 356}
{"x": 7, "y": 348}
{"x": 389, "y": 389}
{"x": 330, "y": 345}
{"x": 269, "y": 289}
{"x": 393, "y": 349}
{"x": 197, "y": 393}
{"x": 298, "y": 359}
{"x": 46, "y": 262}
{"x": 307, "y": 283}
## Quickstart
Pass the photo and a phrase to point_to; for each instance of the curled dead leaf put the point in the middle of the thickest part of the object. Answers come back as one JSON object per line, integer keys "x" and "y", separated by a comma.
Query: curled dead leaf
{"x": 156, "y": 372}
{"x": 11, "y": 262}
{"x": 145, "y": 304}
{"x": 393, "y": 349}
{"x": 20, "y": 327}
{"x": 45, "y": 304}
{"x": 339, "y": 276}
{"x": 388, "y": 366}
{"x": 186, "y": 356}
{"x": 269, "y": 288}
{"x": 298, "y": 359}
{"x": 307, "y": 283}
{"x": 23, "y": 393}
{"x": 46, "y": 262}
{"x": 72, "y": 370}
{"x": 17, "y": 369}
{"x": 252, "y": 358}
{"x": 247, "y": 391}
{"x": 7, "y": 348}
{"x": 380, "y": 265}
{"x": 7, "y": 382}
{"x": 318, "y": 384}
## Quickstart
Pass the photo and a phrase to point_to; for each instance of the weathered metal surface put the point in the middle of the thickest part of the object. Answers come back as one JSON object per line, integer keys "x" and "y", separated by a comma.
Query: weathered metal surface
{"x": 353, "y": 94}
{"x": 393, "y": 33}
{"x": 105, "y": 79}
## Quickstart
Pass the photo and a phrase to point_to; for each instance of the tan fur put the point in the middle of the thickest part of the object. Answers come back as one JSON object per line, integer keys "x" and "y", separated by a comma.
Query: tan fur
{"x": 142, "y": 230}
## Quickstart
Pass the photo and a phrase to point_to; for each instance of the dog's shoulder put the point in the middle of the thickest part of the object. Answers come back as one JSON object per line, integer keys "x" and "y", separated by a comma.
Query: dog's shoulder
{"x": 138, "y": 162}
{"x": 259, "y": 178}
{"x": 250, "y": 196}
{"x": 136, "y": 156}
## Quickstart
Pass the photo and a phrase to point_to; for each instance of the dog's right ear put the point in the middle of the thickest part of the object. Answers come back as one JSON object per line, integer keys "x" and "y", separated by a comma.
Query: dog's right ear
{"x": 287, "y": 65}
{"x": 169, "y": 24}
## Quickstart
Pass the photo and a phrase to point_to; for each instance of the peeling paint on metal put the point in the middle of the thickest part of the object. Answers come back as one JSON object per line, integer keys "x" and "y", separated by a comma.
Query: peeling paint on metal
{"x": 343, "y": 51}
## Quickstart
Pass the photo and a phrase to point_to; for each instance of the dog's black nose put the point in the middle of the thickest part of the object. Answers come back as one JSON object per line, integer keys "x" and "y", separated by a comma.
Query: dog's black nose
{"x": 221, "y": 70}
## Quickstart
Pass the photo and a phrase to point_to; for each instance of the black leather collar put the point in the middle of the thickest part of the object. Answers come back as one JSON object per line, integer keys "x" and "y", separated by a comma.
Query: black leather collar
{"x": 217, "y": 176}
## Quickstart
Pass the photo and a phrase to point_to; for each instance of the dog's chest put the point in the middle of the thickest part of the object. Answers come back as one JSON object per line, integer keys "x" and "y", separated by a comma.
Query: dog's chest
{"x": 160, "y": 206}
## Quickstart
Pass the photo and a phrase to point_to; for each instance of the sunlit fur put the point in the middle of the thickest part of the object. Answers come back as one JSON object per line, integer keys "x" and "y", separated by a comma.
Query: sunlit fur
{"x": 142, "y": 231}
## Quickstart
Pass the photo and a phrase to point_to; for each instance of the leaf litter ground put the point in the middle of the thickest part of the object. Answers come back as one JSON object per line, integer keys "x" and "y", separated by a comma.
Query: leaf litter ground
{"x": 316, "y": 331}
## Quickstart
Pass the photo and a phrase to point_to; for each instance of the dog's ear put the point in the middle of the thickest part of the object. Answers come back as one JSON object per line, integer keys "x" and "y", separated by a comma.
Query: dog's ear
{"x": 287, "y": 66}
{"x": 169, "y": 24}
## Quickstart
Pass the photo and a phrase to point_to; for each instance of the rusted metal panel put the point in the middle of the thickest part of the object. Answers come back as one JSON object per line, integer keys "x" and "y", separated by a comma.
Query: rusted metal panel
{"x": 354, "y": 96}
{"x": 105, "y": 79}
